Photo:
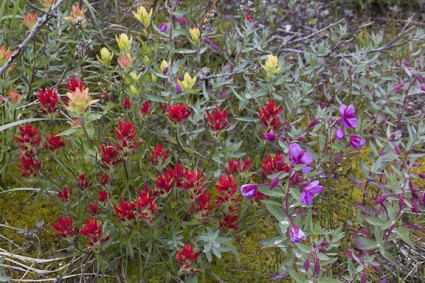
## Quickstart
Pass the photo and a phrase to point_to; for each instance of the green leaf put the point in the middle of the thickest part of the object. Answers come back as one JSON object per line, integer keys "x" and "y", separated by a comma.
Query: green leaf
{"x": 184, "y": 51}
{"x": 276, "y": 192}
{"x": 248, "y": 119}
{"x": 296, "y": 276}
{"x": 403, "y": 234}
{"x": 275, "y": 209}
{"x": 20, "y": 122}
{"x": 375, "y": 221}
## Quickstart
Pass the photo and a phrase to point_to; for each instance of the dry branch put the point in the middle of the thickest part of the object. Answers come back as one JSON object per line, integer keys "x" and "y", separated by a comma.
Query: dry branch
{"x": 38, "y": 25}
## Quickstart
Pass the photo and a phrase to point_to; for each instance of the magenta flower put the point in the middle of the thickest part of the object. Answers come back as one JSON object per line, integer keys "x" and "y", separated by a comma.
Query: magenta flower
{"x": 296, "y": 234}
{"x": 397, "y": 87}
{"x": 298, "y": 156}
{"x": 348, "y": 116}
{"x": 357, "y": 142}
{"x": 269, "y": 136}
{"x": 178, "y": 88}
{"x": 249, "y": 190}
{"x": 182, "y": 21}
{"x": 163, "y": 27}
{"x": 339, "y": 133}
{"x": 310, "y": 191}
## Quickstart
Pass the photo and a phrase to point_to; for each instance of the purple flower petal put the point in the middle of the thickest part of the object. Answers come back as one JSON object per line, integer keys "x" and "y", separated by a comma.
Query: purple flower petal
{"x": 249, "y": 190}
{"x": 339, "y": 133}
{"x": 296, "y": 234}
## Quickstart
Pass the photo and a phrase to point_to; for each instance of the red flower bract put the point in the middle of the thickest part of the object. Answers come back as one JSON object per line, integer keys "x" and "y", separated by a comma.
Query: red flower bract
{"x": 125, "y": 134}
{"x": 217, "y": 120}
{"x": 48, "y": 99}
{"x": 146, "y": 109}
{"x": 28, "y": 140}
{"x": 74, "y": 83}
{"x": 65, "y": 194}
{"x": 274, "y": 164}
{"x": 228, "y": 195}
{"x": 93, "y": 231}
{"x": 186, "y": 256}
{"x": 54, "y": 143}
{"x": 83, "y": 182}
{"x": 158, "y": 155}
{"x": 178, "y": 113}
{"x": 64, "y": 227}
{"x": 269, "y": 117}
{"x": 29, "y": 166}
{"x": 109, "y": 156}
{"x": 125, "y": 210}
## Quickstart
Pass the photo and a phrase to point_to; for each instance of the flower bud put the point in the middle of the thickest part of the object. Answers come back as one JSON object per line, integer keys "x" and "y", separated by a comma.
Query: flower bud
{"x": 397, "y": 87}
{"x": 195, "y": 33}
{"x": 105, "y": 57}
{"x": 269, "y": 136}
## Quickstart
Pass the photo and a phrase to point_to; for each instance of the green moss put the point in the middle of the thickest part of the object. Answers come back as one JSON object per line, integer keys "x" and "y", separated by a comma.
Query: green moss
{"x": 23, "y": 210}
{"x": 257, "y": 264}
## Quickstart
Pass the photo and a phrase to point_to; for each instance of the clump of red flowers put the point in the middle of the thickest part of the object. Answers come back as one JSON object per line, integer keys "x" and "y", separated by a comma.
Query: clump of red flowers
{"x": 186, "y": 257}
{"x": 269, "y": 117}
{"x": 126, "y": 133}
{"x": 49, "y": 100}
{"x": 109, "y": 156}
{"x": 158, "y": 155}
{"x": 28, "y": 140}
{"x": 178, "y": 113}
{"x": 54, "y": 143}
{"x": 235, "y": 167}
{"x": 217, "y": 121}
{"x": 64, "y": 227}
{"x": 92, "y": 230}
{"x": 65, "y": 194}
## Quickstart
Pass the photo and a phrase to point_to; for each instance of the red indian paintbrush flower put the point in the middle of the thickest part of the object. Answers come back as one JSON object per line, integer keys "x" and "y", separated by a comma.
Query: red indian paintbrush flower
{"x": 104, "y": 179}
{"x": 64, "y": 227}
{"x": 274, "y": 164}
{"x": 28, "y": 140}
{"x": 125, "y": 210}
{"x": 146, "y": 109}
{"x": 126, "y": 104}
{"x": 193, "y": 182}
{"x": 29, "y": 20}
{"x": 234, "y": 167}
{"x": 201, "y": 206}
{"x": 158, "y": 155}
{"x": 103, "y": 196}
{"x": 229, "y": 222}
{"x": 125, "y": 134}
{"x": 54, "y": 143}
{"x": 269, "y": 117}
{"x": 147, "y": 208}
{"x": 228, "y": 195}
{"x": 48, "y": 99}
{"x": 65, "y": 194}
{"x": 29, "y": 166}
{"x": 109, "y": 156}
{"x": 75, "y": 83}
{"x": 186, "y": 256}
{"x": 92, "y": 230}
{"x": 93, "y": 209}
{"x": 217, "y": 121}
{"x": 83, "y": 182}
{"x": 178, "y": 113}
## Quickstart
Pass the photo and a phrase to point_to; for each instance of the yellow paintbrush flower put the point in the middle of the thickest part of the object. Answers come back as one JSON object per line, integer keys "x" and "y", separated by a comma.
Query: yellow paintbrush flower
{"x": 79, "y": 101}
{"x": 105, "y": 57}
{"x": 188, "y": 82}
{"x": 124, "y": 43}
{"x": 195, "y": 33}
{"x": 271, "y": 66}
{"x": 143, "y": 16}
